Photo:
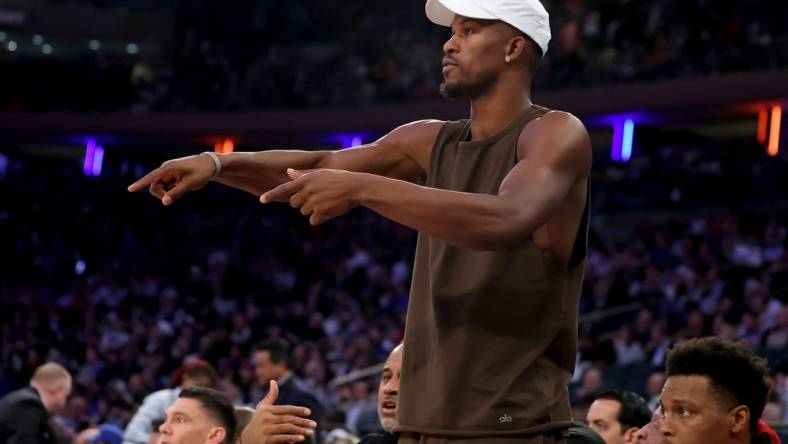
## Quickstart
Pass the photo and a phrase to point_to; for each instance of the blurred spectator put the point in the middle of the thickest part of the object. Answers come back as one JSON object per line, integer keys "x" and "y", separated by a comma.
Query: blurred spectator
{"x": 103, "y": 434}
{"x": 25, "y": 413}
{"x": 261, "y": 63}
{"x": 618, "y": 415}
{"x": 654, "y": 389}
{"x": 82, "y": 267}
{"x": 154, "y": 406}
{"x": 272, "y": 363}
{"x": 201, "y": 416}
{"x": 707, "y": 376}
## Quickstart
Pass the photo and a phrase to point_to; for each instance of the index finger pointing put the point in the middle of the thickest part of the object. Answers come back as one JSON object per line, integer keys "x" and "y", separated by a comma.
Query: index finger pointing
{"x": 281, "y": 193}
{"x": 146, "y": 180}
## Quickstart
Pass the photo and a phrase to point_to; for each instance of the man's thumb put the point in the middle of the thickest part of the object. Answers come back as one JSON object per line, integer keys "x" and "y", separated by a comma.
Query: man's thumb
{"x": 273, "y": 393}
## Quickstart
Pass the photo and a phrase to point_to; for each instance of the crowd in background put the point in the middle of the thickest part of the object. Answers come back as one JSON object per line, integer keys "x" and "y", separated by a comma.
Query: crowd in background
{"x": 122, "y": 291}
{"x": 318, "y": 53}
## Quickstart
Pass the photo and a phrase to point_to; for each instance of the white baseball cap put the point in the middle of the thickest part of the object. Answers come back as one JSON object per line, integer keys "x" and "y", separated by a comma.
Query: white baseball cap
{"x": 529, "y": 16}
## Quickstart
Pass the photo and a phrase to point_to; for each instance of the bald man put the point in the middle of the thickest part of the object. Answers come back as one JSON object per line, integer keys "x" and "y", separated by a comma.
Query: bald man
{"x": 25, "y": 413}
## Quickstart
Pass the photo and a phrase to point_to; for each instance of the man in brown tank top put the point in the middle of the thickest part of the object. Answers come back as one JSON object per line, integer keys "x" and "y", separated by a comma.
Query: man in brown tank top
{"x": 501, "y": 205}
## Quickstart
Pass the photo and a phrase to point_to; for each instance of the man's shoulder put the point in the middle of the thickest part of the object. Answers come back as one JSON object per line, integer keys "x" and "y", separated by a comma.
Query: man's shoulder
{"x": 24, "y": 396}
{"x": 296, "y": 392}
{"x": 162, "y": 396}
{"x": 551, "y": 120}
{"x": 559, "y": 135}
{"x": 295, "y": 386}
{"x": 22, "y": 409}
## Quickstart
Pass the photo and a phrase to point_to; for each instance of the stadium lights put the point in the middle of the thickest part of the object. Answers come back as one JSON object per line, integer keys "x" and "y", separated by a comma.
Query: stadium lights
{"x": 763, "y": 125}
{"x": 774, "y": 131}
{"x": 348, "y": 140}
{"x": 94, "y": 158}
{"x": 226, "y": 146}
{"x": 623, "y": 138}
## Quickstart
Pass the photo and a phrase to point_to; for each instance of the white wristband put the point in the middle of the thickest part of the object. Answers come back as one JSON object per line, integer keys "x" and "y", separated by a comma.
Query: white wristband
{"x": 217, "y": 163}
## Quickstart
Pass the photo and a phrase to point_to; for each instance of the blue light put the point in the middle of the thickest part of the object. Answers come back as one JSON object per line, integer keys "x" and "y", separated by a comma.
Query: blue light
{"x": 79, "y": 267}
{"x": 626, "y": 145}
{"x": 94, "y": 158}
{"x": 623, "y": 137}
{"x": 98, "y": 160}
{"x": 3, "y": 165}
{"x": 90, "y": 148}
{"x": 618, "y": 136}
{"x": 347, "y": 140}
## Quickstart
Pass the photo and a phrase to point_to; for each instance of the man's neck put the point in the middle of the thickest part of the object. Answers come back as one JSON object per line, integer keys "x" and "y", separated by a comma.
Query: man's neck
{"x": 494, "y": 111}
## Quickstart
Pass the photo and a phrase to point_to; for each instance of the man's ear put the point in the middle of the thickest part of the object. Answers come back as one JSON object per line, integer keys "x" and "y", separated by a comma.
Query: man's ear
{"x": 631, "y": 435}
{"x": 515, "y": 47}
{"x": 739, "y": 419}
{"x": 217, "y": 435}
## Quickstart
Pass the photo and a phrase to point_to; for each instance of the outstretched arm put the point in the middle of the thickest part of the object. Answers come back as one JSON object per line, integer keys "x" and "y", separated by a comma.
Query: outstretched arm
{"x": 402, "y": 154}
{"x": 556, "y": 154}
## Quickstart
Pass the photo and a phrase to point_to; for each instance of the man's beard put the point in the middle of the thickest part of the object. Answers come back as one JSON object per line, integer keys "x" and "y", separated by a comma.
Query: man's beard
{"x": 466, "y": 90}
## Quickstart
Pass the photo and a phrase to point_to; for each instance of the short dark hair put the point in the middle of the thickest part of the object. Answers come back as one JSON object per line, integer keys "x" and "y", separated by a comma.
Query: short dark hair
{"x": 634, "y": 411}
{"x": 278, "y": 348}
{"x": 736, "y": 374}
{"x": 218, "y": 407}
{"x": 201, "y": 370}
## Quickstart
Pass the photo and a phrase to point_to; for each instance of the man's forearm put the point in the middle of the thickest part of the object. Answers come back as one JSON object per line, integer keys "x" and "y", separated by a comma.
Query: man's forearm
{"x": 258, "y": 172}
{"x": 477, "y": 221}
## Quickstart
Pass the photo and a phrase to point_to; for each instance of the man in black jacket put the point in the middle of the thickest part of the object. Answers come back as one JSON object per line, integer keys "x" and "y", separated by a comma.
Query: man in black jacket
{"x": 272, "y": 363}
{"x": 282, "y": 423}
{"x": 25, "y": 413}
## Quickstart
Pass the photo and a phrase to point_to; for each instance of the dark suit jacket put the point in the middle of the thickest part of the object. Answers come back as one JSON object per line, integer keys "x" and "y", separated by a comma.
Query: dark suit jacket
{"x": 294, "y": 392}
{"x": 24, "y": 420}
{"x": 379, "y": 438}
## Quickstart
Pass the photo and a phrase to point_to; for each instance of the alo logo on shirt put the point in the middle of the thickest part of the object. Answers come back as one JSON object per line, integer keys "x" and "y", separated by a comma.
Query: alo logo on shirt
{"x": 505, "y": 418}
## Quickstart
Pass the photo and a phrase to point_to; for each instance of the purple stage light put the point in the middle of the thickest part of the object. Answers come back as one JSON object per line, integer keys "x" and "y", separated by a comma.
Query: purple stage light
{"x": 98, "y": 160}
{"x": 90, "y": 150}
{"x": 623, "y": 138}
{"x": 348, "y": 140}
{"x": 94, "y": 158}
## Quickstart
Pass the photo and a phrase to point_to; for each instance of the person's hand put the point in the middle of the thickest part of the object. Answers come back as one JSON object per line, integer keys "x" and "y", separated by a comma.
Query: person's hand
{"x": 320, "y": 194}
{"x": 275, "y": 424}
{"x": 83, "y": 436}
{"x": 176, "y": 177}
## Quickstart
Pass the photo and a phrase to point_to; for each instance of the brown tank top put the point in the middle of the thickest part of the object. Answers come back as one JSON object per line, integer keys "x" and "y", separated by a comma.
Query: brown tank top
{"x": 491, "y": 336}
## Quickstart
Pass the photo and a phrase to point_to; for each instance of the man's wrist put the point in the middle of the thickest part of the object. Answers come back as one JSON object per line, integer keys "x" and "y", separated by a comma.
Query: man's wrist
{"x": 367, "y": 184}
{"x": 217, "y": 163}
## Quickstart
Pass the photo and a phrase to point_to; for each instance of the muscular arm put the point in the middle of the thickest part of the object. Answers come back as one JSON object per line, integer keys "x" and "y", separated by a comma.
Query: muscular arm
{"x": 555, "y": 152}
{"x": 401, "y": 154}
